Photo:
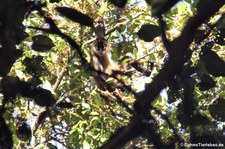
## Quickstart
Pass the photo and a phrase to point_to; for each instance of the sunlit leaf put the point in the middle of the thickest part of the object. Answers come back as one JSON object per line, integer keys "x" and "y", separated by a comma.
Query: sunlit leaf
{"x": 181, "y": 7}
{"x": 103, "y": 8}
{"x": 75, "y": 16}
{"x": 77, "y": 115}
{"x": 110, "y": 79}
{"x": 86, "y": 145}
{"x": 148, "y": 32}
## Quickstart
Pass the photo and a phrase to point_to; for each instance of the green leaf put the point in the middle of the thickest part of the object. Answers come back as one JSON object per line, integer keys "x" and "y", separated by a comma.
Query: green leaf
{"x": 40, "y": 119}
{"x": 43, "y": 97}
{"x": 35, "y": 66}
{"x": 42, "y": 43}
{"x": 110, "y": 79}
{"x": 222, "y": 94}
{"x": 86, "y": 145}
{"x": 77, "y": 115}
{"x": 97, "y": 100}
{"x": 103, "y": 8}
{"x": 75, "y": 16}
{"x": 217, "y": 109}
{"x": 23, "y": 131}
{"x": 206, "y": 83}
{"x": 181, "y": 7}
{"x": 213, "y": 63}
{"x": 148, "y": 32}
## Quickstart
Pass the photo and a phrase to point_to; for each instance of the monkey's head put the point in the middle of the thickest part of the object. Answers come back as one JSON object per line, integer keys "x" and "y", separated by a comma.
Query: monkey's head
{"x": 100, "y": 30}
{"x": 100, "y": 47}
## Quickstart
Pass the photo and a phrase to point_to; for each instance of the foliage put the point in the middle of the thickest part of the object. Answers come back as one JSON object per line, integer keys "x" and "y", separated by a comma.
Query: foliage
{"x": 173, "y": 84}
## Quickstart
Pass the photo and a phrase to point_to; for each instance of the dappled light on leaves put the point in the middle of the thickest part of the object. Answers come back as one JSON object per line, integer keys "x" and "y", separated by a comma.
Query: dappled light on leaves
{"x": 154, "y": 77}
{"x": 35, "y": 66}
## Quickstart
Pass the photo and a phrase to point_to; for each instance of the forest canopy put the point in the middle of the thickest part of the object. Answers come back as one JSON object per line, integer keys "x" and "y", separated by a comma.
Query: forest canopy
{"x": 112, "y": 74}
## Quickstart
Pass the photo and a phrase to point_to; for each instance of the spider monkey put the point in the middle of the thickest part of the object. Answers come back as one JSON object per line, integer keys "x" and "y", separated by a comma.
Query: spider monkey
{"x": 101, "y": 61}
{"x": 100, "y": 57}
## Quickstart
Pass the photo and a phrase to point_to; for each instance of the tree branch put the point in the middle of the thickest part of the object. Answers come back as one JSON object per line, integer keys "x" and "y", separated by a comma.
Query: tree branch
{"x": 176, "y": 60}
{"x": 164, "y": 38}
{"x": 173, "y": 66}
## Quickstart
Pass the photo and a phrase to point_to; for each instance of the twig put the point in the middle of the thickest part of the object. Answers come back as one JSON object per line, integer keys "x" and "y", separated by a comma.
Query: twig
{"x": 59, "y": 79}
